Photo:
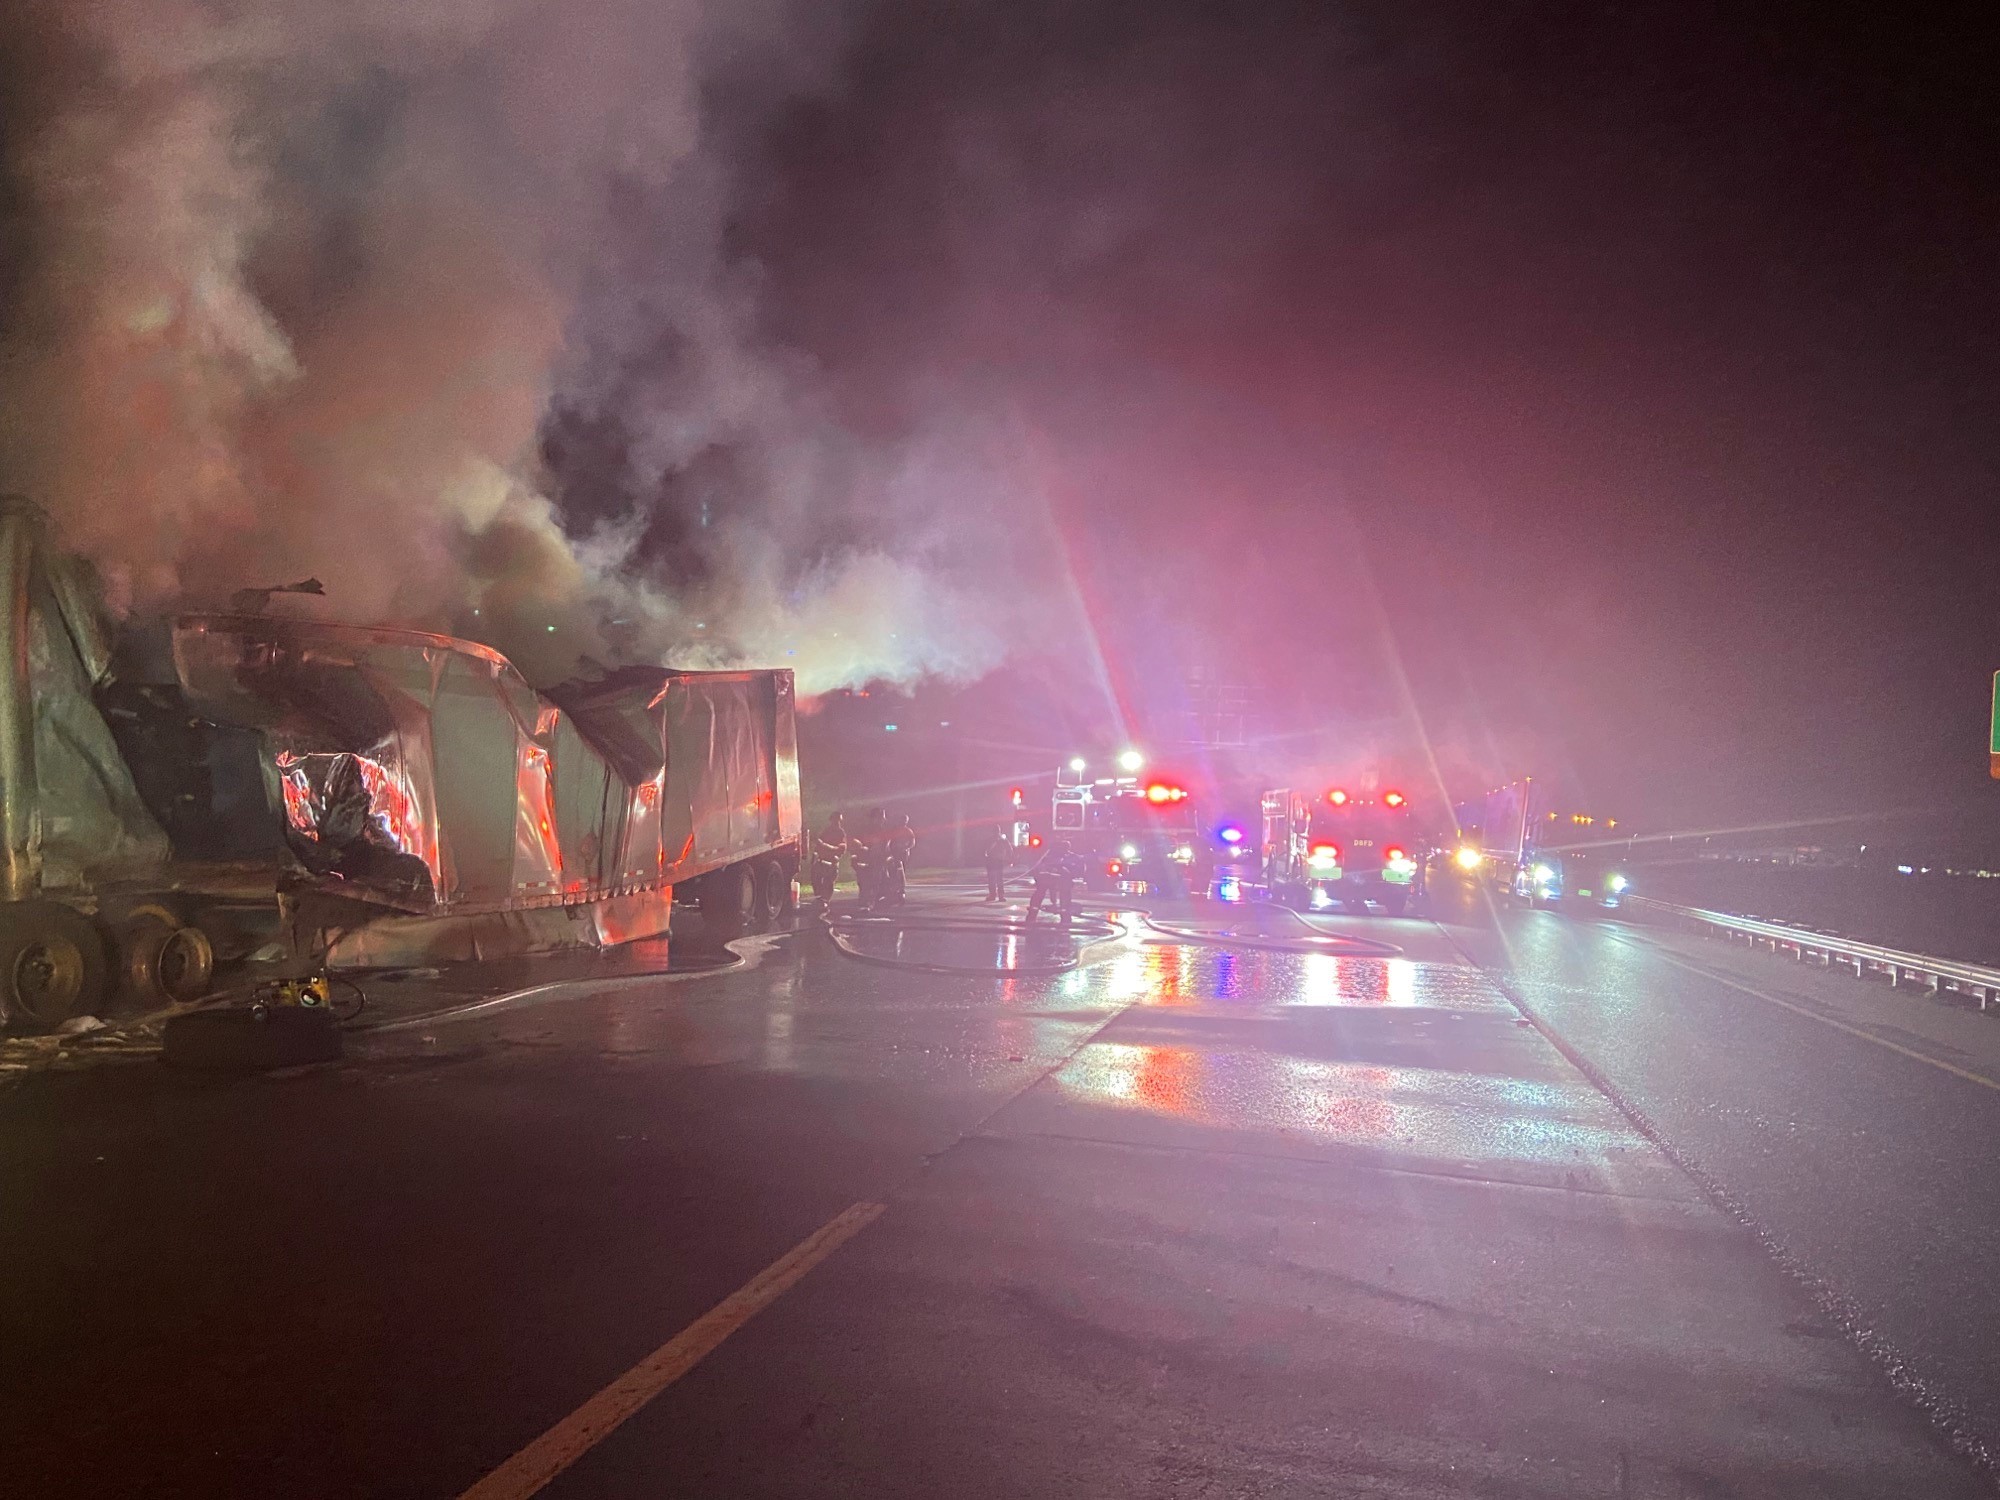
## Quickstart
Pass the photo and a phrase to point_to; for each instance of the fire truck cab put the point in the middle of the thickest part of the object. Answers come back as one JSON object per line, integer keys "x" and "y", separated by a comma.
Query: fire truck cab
{"x": 1342, "y": 848}
{"x": 1140, "y": 835}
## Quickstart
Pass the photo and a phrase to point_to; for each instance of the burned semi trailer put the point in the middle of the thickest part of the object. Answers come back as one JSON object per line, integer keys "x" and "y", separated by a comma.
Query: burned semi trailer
{"x": 224, "y": 786}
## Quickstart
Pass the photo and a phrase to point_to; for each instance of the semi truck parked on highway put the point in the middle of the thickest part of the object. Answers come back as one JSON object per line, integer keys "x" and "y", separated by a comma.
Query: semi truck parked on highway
{"x": 1533, "y": 851}
{"x": 1343, "y": 848}
{"x": 178, "y": 792}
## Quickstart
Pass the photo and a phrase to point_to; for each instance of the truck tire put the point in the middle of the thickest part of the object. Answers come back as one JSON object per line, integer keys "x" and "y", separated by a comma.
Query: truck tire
{"x": 774, "y": 895}
{"x": 728, "y": 899}
{"x": 251, "y": 1039}
{"x": 165, "y": 963}
{"x": 53, "y": 965}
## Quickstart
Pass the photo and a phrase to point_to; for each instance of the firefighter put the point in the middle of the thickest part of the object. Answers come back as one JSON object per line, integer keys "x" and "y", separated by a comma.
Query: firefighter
{"x": 869, "y": 852}
{"x": 828, "y": 847}
{"x": 1055, "y": 879}
{"x": 997, "y": 852}
{"x": 898, "y": 846}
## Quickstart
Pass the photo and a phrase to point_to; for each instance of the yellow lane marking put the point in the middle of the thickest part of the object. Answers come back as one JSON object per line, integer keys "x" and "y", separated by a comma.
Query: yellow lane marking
{"x": 587, "y": 1426}
{"x": 1813, "y": 1015}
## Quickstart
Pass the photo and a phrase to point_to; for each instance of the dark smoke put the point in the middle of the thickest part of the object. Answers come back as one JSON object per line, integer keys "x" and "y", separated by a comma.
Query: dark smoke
{"x": 433, "y": 301}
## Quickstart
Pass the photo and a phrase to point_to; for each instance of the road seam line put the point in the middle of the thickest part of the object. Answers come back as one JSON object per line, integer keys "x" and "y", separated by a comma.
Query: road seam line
{"x": 1943, "y": 1413}
{"x": 1294, "y": 1158}
{"x": 596, "y": 1419}
{"x": 1812, "y": 1015}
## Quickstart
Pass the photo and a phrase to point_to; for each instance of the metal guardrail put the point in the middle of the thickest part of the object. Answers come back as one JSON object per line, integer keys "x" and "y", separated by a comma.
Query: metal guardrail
{"x": 1936, "y": 974}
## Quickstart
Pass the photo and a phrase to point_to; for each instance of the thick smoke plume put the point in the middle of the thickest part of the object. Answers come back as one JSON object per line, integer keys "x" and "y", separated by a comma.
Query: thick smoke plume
{"x": 346, "y": 290}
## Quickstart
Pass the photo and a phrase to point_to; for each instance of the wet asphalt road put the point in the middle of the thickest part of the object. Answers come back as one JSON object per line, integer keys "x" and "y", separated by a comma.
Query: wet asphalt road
{"x": 1217, "y": 1213}
{"x": 1869, "y": 1168}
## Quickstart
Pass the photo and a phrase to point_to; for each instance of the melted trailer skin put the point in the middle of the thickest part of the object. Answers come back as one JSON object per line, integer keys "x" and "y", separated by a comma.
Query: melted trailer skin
{"x": 410, "y": 791}
{"x": 422, "y": 775}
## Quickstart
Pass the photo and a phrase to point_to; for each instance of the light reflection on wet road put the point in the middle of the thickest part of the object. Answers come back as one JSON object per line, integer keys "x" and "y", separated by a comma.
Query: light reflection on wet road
{"x": 1265, "y": 1046}
{"x": 1193, "y": 1217}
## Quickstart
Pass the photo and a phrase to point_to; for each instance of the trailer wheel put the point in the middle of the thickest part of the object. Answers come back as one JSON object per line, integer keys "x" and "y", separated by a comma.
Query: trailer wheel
{"x": 52, "y": 965}
{"x": 728, "y": 900}
{"x": 166, "y": 964}
{"x": 762, "y": 910}
{"x": 774, "y": 894}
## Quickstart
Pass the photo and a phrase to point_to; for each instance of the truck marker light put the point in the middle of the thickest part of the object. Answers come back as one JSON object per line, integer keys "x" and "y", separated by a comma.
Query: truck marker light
{"x": 1393, "y": 799}
{"x": 1337, "y": 797}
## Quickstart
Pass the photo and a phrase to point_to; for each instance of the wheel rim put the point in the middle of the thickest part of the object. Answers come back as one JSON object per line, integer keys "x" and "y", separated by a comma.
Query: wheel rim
{"x": 48, "y": 979}
{"x": 176, "y": 962}
{"x": 184, "y": 964}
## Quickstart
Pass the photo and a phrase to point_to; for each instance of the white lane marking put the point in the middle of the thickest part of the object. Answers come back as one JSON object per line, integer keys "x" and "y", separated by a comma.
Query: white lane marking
{"x": 583, "y": 1429}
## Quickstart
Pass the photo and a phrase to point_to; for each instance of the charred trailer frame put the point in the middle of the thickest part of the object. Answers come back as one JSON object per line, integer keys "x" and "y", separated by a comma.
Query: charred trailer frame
{"x": 400, "y": 796}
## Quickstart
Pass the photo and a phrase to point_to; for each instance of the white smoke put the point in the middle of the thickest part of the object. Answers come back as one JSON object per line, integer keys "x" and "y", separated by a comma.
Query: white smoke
{"x": 302, "y": 282}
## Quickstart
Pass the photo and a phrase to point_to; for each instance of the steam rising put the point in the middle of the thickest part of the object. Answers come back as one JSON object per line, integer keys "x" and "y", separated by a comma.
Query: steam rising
{"x": 315, "y": 289}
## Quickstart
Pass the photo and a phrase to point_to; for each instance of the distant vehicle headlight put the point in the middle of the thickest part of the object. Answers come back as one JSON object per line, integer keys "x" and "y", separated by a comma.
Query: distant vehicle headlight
{"x": 1467, "y": 858}
{"x": 1618, "y": 883}
{"x": 1129, "y": 851}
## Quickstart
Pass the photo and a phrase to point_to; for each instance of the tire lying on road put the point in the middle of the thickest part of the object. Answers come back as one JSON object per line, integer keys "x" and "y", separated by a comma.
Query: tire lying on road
{"x": 53, "y": 965}
{"x": 251, "y": 1039}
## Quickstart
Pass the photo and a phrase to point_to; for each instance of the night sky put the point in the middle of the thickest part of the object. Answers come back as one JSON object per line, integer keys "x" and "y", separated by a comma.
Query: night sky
{"x": 1597, "y": 392}
{"x": 1622, "y": 374}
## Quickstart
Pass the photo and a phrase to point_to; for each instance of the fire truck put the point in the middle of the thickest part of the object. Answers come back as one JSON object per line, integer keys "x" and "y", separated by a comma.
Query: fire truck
{"x": 1138, "y": 834}
{"x": 1343, "y": 847}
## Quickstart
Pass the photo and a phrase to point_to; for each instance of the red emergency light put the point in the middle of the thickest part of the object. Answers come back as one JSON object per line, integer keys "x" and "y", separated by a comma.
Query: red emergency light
{"x": 1393, "y": 799}
{"x": 1338, "y": 797}
{"x": 1326, "y": 851}
{"x": 1392, "y": 854}
{"x": 1034, "y": 841}
{"x": 1113, "y": 868}
{"x": 1161, "y": 791}
{"x": 1014, "y": 795}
